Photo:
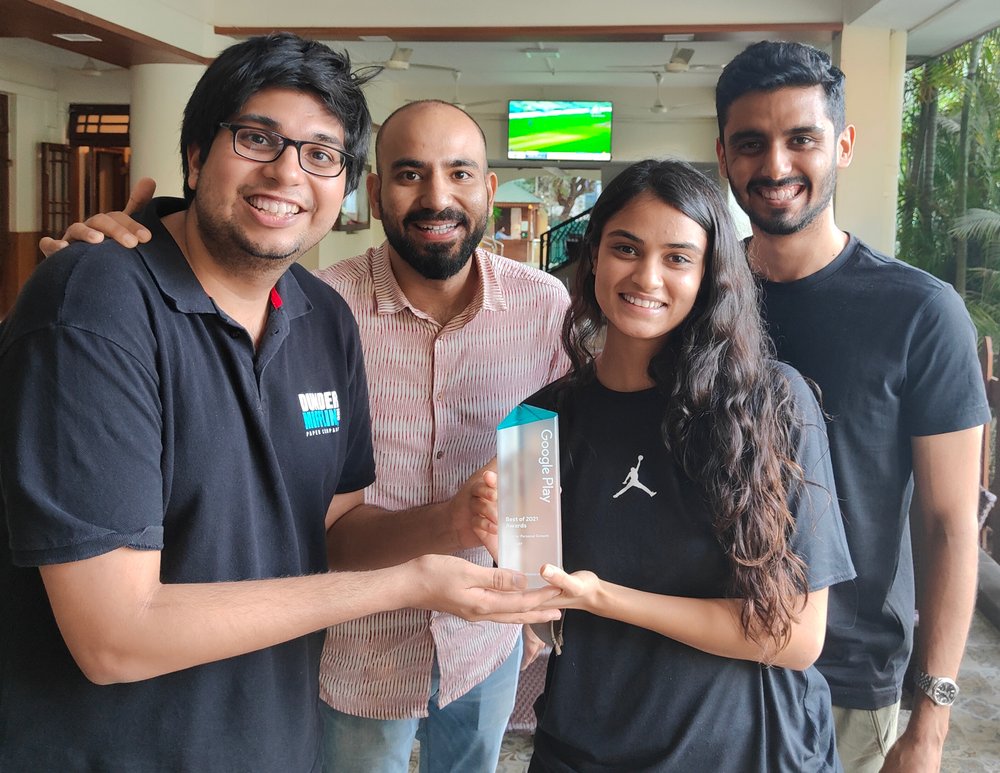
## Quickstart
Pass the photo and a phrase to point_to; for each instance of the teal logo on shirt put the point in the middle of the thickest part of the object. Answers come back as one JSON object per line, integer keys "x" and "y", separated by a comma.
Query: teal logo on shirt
{"x": 320, "y": 412}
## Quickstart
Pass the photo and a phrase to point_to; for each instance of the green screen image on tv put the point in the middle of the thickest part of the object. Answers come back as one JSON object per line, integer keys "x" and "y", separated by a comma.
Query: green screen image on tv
{"x": 551, "y": 130}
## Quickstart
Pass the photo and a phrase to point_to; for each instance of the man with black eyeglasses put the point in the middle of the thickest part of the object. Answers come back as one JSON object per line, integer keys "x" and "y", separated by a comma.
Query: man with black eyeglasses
{"x": 181, "y": 421}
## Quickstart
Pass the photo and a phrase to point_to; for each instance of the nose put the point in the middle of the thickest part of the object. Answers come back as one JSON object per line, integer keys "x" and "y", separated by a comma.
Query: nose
{"x": 647, "y": 274}
{"x": 285, "y": 169}
{"x": 435, "y": 193}
{"x": 776, "y": 162}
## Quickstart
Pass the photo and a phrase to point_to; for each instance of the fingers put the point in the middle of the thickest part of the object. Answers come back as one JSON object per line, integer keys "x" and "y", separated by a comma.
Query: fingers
{"x": 119, "y": 226}
{"x": 48, "y": 245}
{"x": 141, "y": 195}
{"x": 489, "y": 540}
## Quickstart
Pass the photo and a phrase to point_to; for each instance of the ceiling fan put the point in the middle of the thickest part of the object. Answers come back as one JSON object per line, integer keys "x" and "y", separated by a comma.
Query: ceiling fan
{"x": 679, "y": 62}
{"x": 400, "y": 60}
{"x": 456, "y": 100}
{"x": 658, "y": 108}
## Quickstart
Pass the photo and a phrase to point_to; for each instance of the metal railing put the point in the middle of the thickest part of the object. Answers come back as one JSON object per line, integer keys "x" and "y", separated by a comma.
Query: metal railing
{"x": 559, "y": 244}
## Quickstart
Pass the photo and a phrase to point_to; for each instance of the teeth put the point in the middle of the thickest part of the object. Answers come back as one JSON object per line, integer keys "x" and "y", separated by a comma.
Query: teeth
{"x": 440, "y": 229}
{"x": 642, "y": 302}
{"x": 273, "y": 207}
{"x": 779, "y": 194}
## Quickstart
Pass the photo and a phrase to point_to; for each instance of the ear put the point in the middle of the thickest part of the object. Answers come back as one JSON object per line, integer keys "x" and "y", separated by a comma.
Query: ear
{"x": 373, "y": 184}
{"x": 845, "y": 146}
{"x": 491, "y": 190}
{"x": 720, "y": 153}
{"x": 194, "y": 166}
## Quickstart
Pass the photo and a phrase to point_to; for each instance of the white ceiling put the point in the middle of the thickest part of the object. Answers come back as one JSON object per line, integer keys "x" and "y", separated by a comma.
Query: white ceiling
{"x": 501, "y": 70}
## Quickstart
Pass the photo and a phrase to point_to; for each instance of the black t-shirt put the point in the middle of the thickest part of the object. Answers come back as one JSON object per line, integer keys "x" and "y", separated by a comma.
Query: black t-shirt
{"x": 136, "y": 413}
{"x": 894, "y": 354}
{"x": 621, "y": 697}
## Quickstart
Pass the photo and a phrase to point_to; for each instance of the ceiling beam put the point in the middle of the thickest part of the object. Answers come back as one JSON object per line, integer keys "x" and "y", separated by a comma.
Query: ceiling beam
{"x": 821, "y": 31}
{"x": 40, "y": 19}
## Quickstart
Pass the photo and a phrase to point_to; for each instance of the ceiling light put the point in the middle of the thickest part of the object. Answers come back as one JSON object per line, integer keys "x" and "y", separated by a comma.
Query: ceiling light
{"x": 540, "y": 50}
{"x": 678, "y": 37}
{"x": 375, "y": 38}
{"x": 76, "y": 37}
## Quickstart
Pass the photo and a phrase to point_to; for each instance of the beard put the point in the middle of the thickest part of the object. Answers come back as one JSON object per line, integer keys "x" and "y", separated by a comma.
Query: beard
{"x": 435, "y": 261}
{"x": 231, "y": 246}
{"x": 784, "y": 223}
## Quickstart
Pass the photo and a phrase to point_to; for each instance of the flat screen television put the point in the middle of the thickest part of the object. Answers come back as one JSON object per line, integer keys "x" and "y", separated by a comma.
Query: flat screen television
{"x": 558, "y": 130}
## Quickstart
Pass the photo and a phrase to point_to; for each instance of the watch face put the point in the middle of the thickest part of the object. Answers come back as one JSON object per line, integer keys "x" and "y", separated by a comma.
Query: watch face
{"x": 945, "y": 693}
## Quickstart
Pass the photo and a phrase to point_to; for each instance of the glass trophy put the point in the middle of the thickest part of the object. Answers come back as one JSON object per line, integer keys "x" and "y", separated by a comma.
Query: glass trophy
{"x": 529, "y": 512}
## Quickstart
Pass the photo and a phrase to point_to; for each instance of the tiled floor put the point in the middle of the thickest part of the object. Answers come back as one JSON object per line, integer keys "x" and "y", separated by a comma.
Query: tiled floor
{"x": 973, "y": 744}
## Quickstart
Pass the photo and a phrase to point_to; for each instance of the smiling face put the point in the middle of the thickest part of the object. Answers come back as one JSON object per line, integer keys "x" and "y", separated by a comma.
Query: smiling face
{"x": 648, "y": 270}
{"x": 252, "y": 213}
{"x": 433, "y": 191}
{"x": 780, "y": 152}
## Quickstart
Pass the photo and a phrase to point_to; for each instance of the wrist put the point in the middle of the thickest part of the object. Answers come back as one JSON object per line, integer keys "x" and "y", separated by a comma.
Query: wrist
{"x": 928, "y": 722}
{"x": 599, "y": 602}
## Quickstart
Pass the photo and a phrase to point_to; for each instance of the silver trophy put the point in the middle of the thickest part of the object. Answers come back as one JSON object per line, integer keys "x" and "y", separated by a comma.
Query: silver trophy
{"x": 530, "y": 515}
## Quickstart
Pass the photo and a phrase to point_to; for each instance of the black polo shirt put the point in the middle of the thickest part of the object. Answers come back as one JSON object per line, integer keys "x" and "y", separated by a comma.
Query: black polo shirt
{"x": 136, "y": 413}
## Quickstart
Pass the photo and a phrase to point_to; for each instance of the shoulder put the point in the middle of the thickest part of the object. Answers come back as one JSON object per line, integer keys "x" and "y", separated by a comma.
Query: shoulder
{"x": 531, "y": 281}
{"x": 347, "y": 272}
{"x": 803, "y": 394}
{"x": 897, "y": 276}
{"x": 101, "y": 288}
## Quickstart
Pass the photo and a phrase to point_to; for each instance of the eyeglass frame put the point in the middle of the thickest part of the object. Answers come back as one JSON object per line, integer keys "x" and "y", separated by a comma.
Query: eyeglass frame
{"x": 285, "y": 143}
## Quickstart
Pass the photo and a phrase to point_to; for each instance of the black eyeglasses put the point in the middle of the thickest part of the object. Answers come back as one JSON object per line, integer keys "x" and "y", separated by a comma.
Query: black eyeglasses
{"x": 265, "y": 146}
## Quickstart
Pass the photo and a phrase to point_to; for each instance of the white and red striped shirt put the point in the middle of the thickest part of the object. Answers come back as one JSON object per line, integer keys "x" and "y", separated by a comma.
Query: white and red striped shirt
{"x": 437, "y": 394}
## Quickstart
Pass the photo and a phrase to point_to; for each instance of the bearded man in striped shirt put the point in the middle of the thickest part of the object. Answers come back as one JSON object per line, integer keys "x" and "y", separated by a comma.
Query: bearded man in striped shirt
{"x": 453, "y": 338}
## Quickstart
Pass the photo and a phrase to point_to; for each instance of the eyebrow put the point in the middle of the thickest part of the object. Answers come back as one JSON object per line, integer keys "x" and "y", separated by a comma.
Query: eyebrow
{"x": 413, "y": 163}
{"x": 671, "y": 245}
{"x": 273, "y": 125}
{"x": 749, "y": 134}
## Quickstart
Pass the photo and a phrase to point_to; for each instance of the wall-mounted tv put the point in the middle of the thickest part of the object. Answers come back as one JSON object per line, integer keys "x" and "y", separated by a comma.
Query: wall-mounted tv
{"x": 553, "y": 130}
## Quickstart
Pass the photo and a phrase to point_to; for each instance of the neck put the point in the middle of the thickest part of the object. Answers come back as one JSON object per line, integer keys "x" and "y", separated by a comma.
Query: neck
{"x": 243, "y": 292}
{"x": 440, "y": 299}
{"x": 796, "y": 256}
{"x": 623, "y": 365}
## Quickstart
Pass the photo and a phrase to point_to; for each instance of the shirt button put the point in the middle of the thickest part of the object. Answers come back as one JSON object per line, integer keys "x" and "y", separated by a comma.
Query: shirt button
{"x": 440, "y": 396}
{"x": 439, "y": 454}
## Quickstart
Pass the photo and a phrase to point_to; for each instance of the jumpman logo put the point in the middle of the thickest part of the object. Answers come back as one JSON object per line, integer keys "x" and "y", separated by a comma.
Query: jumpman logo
{"x": 632, "y": 481}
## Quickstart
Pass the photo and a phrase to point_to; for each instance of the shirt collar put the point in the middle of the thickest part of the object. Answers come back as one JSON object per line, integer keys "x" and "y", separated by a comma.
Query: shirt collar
{"x": 390, "y": 299}
{"x": 177, "y": 281}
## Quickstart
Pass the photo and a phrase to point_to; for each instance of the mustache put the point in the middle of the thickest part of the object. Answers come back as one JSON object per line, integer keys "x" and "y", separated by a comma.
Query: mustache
{"x": 429, "y": 214}
{"x": 768, "y": 182}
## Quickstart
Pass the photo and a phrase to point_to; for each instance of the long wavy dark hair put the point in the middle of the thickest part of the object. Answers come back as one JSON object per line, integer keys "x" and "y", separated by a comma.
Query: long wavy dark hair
{"x": 729, "y": 419}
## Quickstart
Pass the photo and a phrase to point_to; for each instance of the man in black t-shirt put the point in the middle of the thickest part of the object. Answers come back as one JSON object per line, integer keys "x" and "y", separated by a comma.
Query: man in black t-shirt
{"x": 180, "y": 424}
{"x": 893, "y": 351}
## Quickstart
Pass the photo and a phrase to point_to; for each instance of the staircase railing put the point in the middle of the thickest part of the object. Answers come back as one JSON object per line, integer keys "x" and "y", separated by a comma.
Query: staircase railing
{"x": 559, "y": 244}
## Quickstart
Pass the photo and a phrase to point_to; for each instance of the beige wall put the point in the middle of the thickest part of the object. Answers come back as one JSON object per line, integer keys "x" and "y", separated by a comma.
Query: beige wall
{"x": 873, "y": 61}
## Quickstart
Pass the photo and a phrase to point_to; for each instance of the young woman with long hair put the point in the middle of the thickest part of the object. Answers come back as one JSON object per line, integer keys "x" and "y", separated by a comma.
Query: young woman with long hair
{"x": 700, "y": 523}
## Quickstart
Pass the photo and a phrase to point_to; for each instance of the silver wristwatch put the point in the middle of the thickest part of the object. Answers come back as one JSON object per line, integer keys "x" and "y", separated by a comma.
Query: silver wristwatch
{"x": 939, "y": 689}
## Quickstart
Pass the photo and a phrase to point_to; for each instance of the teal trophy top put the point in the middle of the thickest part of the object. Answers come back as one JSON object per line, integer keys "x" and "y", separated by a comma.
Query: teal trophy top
{"x": 525, "y": 414}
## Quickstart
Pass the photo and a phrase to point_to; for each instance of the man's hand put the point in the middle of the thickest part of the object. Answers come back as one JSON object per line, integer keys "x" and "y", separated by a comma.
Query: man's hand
{"x": 918, "y": 753}
{"x": 472, "y": 592}
{"x": 484, "y": 509}
{"x": 118, "y": 225}
{"x": 473, "y": 509}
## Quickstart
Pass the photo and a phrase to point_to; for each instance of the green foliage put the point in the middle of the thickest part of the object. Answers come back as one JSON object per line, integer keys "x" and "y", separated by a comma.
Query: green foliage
{"x": 933, "y": 224}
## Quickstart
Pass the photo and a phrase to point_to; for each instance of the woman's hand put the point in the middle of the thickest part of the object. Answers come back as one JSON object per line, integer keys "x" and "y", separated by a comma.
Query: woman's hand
{"x": 580, "y": 590}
